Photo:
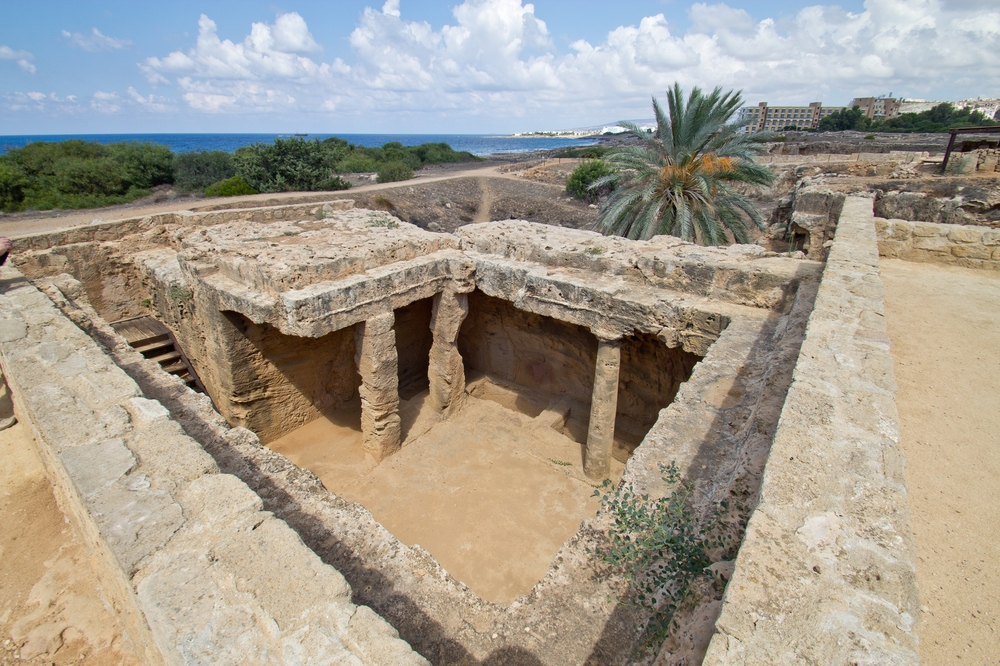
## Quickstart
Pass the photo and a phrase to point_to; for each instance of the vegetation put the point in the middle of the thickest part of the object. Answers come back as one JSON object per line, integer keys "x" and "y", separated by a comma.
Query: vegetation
{"x": 940, "y": 118}
{"x": 579, "y": 182}
{"x": 231, "y": 187}
{"x": 195, "y": 171}
{"x": 681, "y": 180}
{"x": 660, "y": 548}
{"x": 586, "y": 152}
{"x": 80, "y": 174}
{"x": 86, "y": 174}
{"x": 391, "y": 172}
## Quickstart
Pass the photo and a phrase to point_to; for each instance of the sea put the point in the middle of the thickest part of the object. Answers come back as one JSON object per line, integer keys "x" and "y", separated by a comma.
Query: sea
{"x": 477, "y": 144}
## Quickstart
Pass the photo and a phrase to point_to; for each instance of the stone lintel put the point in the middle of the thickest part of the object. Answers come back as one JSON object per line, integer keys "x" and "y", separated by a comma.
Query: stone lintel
{"x": 378, "y": 366}
{"x": 604, "y": 404}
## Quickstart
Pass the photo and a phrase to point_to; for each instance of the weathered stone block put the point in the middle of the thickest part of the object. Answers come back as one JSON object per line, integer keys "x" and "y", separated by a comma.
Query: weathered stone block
{"x": 971, "y": 251}
{"x": 966, "y": 235}
{"x": 900, "y": 229}
{"x": 932, "y": 244}
{"x": 991, "y": 237}
{"x": 927, "y": 229}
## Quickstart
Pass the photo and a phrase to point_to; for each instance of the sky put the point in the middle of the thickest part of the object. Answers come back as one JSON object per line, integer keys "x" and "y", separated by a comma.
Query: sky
{"x": 475, "y": 67}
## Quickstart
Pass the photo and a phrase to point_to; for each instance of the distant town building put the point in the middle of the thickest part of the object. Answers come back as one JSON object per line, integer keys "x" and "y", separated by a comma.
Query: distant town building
{"x": 778, "y": 118}
{"x": 877, "y": 107}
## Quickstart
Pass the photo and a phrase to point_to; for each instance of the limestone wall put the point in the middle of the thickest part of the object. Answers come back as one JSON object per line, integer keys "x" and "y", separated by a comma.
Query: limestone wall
{"x": 413, "y": 345}
{"x": 960, "y": 245}
{"x": 826, "y": 574}
{"x": 199, "y": 572}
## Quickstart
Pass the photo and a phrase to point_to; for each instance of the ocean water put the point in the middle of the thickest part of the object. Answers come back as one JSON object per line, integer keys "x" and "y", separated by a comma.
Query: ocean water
{"x": 477, "y": 144}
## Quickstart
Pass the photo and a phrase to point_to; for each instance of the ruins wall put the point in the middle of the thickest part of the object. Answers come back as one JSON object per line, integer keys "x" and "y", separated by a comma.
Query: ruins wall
{"x": 826, "y": 571}
{"x": 958, "y": 245}
{"x": 198, "y": 571}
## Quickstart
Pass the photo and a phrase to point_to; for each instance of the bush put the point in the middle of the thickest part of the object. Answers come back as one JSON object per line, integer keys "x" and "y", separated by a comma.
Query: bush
{"x": 586, "y": 152}
{"x": 661, "y": 548}
{"x": 578, "y": 183}
{"x": 286, "y": 165}
{"x": 81, "y": 174}
{"x": 391, "y": 172}
{"x": 193, "y": 172}
{"x": 232, "y": 187}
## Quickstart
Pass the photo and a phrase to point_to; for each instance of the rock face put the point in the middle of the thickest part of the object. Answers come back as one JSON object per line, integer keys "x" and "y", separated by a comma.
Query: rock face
{"x": 815, "y": 212}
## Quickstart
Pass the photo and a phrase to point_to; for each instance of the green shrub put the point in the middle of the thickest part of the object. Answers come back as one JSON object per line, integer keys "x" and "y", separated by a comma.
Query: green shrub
{"x": 195, "y": 171}
{"x": 81, "y": 174}
{"x": 232, "y": 187}
{"x": 578, "y": 183}
{"x": 286, "y": 165}
{"x": 586, "y": 152}
{"x": 357, "y": 162}
{"x": 390, "y": 172}
{"x": 333, "y": 183}
{"x": 870, "y": 137}
{"x": 661, "y": 548}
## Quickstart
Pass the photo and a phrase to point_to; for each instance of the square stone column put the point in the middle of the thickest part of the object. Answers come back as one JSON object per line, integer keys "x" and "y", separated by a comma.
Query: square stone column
{"x": 378, "y": 365}
{"x": 603, "y": 406}
{"x": 446, "y": 371}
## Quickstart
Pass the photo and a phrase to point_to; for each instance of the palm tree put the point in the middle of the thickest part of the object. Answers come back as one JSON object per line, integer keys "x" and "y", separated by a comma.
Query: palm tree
{"x": 680, "y": 180}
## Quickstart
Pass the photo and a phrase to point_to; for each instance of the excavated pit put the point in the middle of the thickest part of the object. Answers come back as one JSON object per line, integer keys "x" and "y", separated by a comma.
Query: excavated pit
{"x": 495, "y": 489}
{"x": 446, "y": 385}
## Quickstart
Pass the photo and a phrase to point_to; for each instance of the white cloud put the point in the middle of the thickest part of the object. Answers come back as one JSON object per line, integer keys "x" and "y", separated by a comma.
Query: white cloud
{"x": 496, "y": 58}
{"x": 95, "y": 41}
{"x": 42, "y": 103}
{"x": 23, "y": 58}
{"x": 106, "y": 102}
{"x": 219, "y": 75}
{"x": 150, "y": 102}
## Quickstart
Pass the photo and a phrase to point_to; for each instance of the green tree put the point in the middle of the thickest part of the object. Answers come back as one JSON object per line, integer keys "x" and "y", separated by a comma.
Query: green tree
{"x": 681, "y": 179}
{"x": 578, "y": 183}
{"x": 197, "y": 170}
{"x": 845, "y": 119}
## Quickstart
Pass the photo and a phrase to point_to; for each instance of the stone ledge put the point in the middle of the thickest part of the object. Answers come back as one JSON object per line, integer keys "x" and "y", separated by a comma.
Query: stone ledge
{"x": 182, "y": 548}
{"x": 826, "y": 573}
{"x": 958, "y": 245}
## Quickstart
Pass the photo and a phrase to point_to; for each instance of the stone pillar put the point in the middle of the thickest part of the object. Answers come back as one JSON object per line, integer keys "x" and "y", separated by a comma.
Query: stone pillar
{"x": 378, "y": 364}
{"x": 603, "y": 405}
{"x": 446, "y": 371}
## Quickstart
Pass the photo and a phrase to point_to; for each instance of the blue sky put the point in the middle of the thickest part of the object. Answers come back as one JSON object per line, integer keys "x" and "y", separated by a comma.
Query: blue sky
{"x": 478, "y": 66}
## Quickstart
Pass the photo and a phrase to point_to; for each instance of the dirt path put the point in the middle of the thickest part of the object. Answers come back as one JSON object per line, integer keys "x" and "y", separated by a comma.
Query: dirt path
{"x": 944, "y": 323}
{"x": 483, "y": 212}
{"x": 51, "y": 607}
{"x": 45, "y": 222}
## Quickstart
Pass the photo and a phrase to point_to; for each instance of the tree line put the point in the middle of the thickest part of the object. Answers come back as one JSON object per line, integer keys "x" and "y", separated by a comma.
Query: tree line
{"x": 940, "y": 118}
{"x": 87, "y": 174}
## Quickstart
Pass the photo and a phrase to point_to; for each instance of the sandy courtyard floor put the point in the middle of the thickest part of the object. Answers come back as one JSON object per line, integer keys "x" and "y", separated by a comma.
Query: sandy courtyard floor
{"x": 51, "y": 609}
{"x": 944, "y": 323}
{"x": 491, "y": 495}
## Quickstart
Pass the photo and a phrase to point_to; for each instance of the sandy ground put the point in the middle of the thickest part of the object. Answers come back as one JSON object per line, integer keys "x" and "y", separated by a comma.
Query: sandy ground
{"x": 51, "y": 609}
{"x": 488, "y": 493}
{"x": 944, "y": 323}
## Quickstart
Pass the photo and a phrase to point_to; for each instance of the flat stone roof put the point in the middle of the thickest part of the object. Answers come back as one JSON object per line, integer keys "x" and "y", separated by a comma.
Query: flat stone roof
{"x": 274, "y": 257}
